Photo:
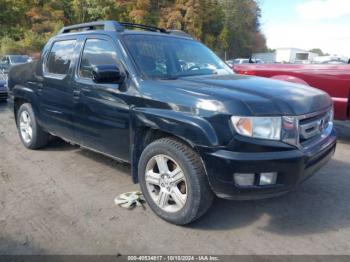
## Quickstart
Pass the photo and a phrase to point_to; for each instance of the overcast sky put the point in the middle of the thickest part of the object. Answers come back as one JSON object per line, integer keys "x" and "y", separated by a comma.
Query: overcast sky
{"x": 307, "y": 24}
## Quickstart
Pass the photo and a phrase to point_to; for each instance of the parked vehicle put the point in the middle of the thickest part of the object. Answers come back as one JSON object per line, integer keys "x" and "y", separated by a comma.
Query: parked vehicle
{"x": 3, "y": 87}
{"x": 333, "y": 79}
{"x": 231, "y": 63}
{"x": 7, "y": 61}
{"x": 165, "y": 103}
{"x": 240, "y": 61}
{"x": 334, "y": 62}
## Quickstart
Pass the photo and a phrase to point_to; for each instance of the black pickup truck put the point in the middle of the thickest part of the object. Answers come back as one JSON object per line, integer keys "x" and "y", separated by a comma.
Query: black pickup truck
{"x": 190, "y": 128}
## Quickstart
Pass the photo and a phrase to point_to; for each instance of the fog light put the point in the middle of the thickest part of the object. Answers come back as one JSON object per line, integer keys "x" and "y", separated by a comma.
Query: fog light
{"x": 244, "y": 179}
{"x": 268, "y": 178}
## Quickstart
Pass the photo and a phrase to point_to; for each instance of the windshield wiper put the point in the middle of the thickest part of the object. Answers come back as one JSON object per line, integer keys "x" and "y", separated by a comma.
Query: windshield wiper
{"x": 169, "y": 77}
{"x": 201, "y": 72}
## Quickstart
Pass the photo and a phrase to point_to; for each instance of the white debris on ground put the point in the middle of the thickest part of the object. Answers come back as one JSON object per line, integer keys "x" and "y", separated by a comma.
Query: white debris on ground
{"x": 130, "y": 200}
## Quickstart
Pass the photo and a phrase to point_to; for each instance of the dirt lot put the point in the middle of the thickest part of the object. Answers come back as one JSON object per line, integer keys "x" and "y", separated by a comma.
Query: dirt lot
{"x": 60, "y": 201}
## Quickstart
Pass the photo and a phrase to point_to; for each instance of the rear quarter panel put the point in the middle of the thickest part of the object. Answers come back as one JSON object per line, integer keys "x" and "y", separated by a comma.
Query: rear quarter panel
{"x": 22, "y": 81}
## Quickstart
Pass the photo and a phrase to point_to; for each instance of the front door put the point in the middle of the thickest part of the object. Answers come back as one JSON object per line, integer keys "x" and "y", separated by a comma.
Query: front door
{"x": 101, "y": 112}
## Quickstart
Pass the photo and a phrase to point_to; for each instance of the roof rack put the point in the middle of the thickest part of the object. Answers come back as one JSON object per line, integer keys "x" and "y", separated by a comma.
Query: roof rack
{"x": 119, "y": 27}
{"x": 107, "y": 26}
{"x": 146, "y": 27}
{"x": 178, "y": 33}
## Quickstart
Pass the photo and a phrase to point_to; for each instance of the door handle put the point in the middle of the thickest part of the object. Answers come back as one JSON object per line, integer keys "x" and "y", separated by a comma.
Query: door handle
{"x": 76, "y": 94}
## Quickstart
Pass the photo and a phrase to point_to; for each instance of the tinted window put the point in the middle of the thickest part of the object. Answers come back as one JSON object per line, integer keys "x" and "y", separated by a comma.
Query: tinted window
{"x": 96, "y": 52}
{"x": 60, "y": 56}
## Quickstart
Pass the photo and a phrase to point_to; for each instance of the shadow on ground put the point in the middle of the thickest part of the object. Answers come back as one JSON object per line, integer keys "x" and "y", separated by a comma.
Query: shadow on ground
{"x": 3, "y": 106}
{"x": 101, "y": 159}
{"x": 12, "y": 247}
{"x": 343, "y": 131}
{"x": 57, "y": 144}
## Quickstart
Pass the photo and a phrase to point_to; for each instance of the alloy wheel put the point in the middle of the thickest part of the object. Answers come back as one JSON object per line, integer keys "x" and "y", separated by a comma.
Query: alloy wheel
{"x": 166, "y": 183}
{"x": 25, "y": 125}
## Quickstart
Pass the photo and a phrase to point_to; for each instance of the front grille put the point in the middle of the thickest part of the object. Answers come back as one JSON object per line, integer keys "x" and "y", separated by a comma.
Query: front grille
{"x": 3, "y": 95}
{"x": 311, "y": 127}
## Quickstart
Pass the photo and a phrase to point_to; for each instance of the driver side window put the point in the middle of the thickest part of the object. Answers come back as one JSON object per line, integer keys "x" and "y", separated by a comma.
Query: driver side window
{"x": 96, "y": 52}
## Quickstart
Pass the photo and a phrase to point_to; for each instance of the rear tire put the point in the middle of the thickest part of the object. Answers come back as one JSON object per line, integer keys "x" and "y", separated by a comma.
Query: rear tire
{"x": 30, "y": 133}
{"x": 178, "y": 191}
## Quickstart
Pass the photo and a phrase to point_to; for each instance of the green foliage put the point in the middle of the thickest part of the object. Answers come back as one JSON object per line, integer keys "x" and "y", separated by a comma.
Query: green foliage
{"x": 10, "y": 46}
{"x": 31, "y": 42}
{"x": 229, "y": 27}
{"x": 317, "y": 51}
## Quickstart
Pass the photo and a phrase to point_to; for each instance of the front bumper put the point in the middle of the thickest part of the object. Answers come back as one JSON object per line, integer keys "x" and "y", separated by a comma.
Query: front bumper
{"x": 293, "y": 166}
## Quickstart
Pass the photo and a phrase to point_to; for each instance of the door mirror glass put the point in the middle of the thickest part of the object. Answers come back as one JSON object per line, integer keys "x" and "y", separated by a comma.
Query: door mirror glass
{"x": 107, "y": 74}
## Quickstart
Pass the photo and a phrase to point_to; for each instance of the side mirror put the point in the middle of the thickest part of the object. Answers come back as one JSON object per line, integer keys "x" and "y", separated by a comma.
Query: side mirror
{"x": 107, "y": 74}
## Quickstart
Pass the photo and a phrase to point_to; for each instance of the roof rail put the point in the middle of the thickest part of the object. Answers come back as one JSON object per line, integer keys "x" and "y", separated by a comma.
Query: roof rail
{"x": 107, "y": 26}
{"x": 179, "y": 33}
{"x": 146, "y": 27}
{"x": 119, "y": 27}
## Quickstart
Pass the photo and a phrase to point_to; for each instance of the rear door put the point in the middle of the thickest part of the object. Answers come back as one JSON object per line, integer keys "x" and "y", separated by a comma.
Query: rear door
{"x": 56, "y": 91}
{"x": 101, "y": 113}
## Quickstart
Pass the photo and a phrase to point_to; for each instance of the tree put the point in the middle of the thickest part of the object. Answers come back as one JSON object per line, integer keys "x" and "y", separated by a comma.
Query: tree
{"x": 229, "y": 27}
{"x": 317, "y": 51}
{"x": 193, "y": 18}
{"x": 173, "y": 15}
{"x": 141, "y": 12}
{"x": 92, "y": 10}
{"x": 12, "y": 18}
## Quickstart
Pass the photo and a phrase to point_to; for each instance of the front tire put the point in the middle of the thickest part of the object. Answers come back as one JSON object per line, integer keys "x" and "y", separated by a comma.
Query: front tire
{"x": 173, "y": 181}
{"x": 30, "y": 133}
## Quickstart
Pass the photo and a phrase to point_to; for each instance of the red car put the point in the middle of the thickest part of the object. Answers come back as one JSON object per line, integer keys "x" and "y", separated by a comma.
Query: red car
{"x": 333, "y": 79}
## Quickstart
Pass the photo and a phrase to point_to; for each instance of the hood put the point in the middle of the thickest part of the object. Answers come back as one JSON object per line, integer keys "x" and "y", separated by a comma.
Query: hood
{"x": 245, "y": 95}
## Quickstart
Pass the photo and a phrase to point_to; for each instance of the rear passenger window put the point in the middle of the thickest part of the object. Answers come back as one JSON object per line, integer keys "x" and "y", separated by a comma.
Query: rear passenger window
{"x": 96, "y": 52}
{"x": 60, "y": 57}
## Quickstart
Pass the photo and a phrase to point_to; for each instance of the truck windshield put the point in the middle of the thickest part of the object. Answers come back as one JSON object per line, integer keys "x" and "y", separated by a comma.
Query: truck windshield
{"x": 171, "y": 57}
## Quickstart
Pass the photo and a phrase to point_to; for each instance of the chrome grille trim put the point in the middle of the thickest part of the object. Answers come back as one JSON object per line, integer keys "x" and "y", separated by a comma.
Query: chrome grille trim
{"x": 313, "y": 114}
{"x": 292, "y": 127}
{"x": 313, "y": 125}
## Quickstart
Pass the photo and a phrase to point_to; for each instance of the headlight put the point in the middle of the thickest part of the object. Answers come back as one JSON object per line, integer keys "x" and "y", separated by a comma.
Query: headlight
{"x": 258, "y": 127}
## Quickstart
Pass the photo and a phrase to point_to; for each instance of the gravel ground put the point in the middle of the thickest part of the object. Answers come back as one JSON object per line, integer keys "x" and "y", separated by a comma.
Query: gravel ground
{"x": 59, "y": 200}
